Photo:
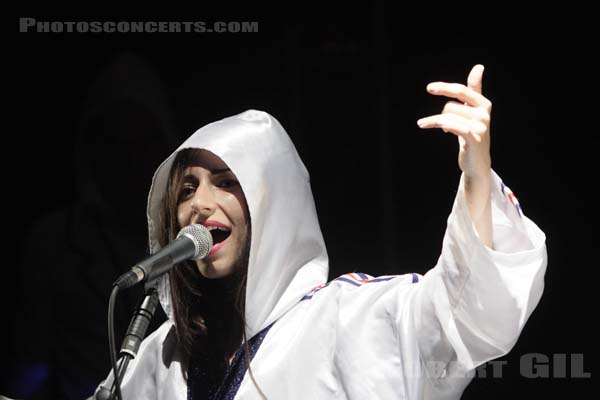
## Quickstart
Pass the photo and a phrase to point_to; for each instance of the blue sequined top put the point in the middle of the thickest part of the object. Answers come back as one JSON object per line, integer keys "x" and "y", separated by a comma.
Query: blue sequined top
{"x": 204, "y": 385}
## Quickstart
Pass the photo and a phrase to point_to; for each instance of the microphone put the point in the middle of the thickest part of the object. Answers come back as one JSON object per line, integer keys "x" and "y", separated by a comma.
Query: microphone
{"x": 192, "y": 242}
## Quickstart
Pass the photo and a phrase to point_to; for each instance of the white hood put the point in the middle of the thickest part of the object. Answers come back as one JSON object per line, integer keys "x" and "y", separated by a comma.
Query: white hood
{"x": 287, "y": 254}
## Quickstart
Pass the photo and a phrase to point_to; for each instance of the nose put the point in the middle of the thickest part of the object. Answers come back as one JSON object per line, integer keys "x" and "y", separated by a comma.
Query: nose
{"x": 204, "y": 202}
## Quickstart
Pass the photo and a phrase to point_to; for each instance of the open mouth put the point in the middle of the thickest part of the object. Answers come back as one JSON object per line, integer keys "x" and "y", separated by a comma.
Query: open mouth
{"x": 219, "y": 235}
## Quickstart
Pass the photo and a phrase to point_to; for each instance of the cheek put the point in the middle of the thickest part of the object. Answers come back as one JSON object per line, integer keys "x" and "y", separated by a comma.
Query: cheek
{"x": 234, "y": 209}
{"x": 183, "y": 216}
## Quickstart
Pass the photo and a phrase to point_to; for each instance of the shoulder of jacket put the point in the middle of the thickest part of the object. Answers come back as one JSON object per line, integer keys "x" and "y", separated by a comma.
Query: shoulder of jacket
{"x": 159, "y": 335}
{"x": 357, "y": 279}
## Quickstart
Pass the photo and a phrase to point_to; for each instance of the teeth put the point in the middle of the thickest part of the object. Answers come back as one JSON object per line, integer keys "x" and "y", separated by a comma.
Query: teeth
{"x": 211, "y": 228}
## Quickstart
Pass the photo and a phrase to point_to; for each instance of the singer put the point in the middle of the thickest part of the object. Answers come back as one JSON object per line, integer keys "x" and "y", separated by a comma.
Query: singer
{"x": 258, "y": 317}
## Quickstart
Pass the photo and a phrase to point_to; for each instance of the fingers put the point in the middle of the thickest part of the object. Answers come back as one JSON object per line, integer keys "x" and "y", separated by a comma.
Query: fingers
{"x": 468, "y": 119}
{"x": 477, "y": 113}
{"x": 470, "y": 130}
{"x": 463, "y": 93}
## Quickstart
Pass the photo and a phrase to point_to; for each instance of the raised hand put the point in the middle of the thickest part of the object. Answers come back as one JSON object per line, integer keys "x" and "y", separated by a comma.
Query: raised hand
{"x": 468, "y": 119}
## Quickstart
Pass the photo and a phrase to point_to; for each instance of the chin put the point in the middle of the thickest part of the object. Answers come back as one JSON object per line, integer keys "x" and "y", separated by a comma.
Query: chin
{"x": 211, "y": 271}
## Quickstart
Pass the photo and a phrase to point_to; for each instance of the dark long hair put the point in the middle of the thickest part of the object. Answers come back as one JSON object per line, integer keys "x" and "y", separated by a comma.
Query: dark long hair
{"x": 209, "y": 313}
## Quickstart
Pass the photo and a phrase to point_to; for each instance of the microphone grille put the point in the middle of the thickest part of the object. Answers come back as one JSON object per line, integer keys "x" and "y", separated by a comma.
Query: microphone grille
{"x": 200, "y": 236}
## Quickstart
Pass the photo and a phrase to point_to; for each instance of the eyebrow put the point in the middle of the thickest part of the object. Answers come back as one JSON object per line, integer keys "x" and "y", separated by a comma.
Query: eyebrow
{"x": 212, "y": 171}
{"x": 219, "y": 171}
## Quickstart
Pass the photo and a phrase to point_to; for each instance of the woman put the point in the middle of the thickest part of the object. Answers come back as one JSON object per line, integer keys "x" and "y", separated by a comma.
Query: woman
{"x": 355, "y": 337}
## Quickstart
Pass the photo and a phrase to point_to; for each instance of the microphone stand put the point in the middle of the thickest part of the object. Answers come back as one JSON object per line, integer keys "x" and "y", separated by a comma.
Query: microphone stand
{"x": 131, "y": 344}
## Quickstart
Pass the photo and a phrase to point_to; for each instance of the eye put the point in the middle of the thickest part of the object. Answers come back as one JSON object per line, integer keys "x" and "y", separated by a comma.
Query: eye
{"x": 228, "y": 183}
{"x": 186, "y": 191}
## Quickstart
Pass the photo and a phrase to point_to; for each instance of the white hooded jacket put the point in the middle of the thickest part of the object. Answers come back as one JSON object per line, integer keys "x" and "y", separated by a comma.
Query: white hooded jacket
{"x": 355, "y": 337}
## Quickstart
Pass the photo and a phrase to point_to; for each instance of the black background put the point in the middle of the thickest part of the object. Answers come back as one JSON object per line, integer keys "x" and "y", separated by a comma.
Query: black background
{"x": 336, "y": 79}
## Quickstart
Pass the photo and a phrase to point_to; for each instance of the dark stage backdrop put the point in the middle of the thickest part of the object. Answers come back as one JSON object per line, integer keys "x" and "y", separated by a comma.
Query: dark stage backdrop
{"x": 348, "y": 85}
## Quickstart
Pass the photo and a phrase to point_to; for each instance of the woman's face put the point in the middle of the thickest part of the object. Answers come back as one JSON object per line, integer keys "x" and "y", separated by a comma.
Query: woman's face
{"x": 210, "y": 194}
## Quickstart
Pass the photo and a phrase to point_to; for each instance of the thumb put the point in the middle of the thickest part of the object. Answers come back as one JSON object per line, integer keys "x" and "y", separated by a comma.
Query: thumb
{"x": 475, "y": 79}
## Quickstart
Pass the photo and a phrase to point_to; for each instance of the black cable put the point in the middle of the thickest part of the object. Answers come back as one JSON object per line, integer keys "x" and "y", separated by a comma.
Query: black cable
{"x": 111, "y": 340}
